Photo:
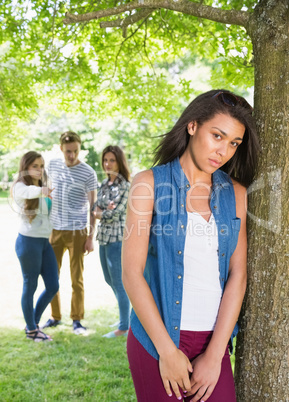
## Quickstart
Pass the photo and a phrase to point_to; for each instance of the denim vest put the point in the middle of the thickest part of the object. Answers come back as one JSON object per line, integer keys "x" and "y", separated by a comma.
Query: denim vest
{"x": 164, "y": 268}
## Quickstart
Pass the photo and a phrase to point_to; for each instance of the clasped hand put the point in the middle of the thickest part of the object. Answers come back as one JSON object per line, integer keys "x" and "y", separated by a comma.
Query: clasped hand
{"x": 111, "y": 205}
{"x": 206, "y": 372}
{"x": 197, "y": 378}
{"x": 174, "y": 369}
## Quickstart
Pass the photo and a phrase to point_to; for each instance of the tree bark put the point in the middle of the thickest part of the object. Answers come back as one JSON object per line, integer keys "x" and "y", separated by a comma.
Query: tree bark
{"x": 262, "y": 346}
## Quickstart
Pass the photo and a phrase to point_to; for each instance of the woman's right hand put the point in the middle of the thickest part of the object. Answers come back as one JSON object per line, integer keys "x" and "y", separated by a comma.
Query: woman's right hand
{"x": 174, "y": 369}
{"x": 46, "y": 191}
{"x": 111, "y": 206}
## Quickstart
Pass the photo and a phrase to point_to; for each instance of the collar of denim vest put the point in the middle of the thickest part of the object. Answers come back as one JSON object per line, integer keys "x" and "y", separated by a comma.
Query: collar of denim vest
{"x": 220, "y": 178}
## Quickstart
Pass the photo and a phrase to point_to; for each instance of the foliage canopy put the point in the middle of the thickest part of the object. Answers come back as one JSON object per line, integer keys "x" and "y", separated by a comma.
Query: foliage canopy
{"x": 140, "y": 81}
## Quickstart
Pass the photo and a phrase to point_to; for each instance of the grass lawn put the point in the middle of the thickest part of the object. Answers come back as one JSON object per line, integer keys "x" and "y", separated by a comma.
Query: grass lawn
{"x": 74, "y": 368}
{"x": 71, "y": 368}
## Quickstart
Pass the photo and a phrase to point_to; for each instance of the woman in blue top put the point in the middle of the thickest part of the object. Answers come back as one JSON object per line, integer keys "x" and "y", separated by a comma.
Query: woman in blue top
{"x": 36, "y": 256}
{"x": 184, "y": 252}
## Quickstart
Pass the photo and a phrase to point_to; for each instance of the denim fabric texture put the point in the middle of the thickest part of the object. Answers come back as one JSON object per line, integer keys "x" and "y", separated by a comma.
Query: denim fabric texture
{"x": 36, "y": 258}
{"x": 110, "y": 258}
{"x": 165, "y": 262}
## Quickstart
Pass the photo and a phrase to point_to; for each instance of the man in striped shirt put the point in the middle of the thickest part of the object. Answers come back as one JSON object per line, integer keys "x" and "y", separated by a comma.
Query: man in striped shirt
{"x": 74, "y": 183}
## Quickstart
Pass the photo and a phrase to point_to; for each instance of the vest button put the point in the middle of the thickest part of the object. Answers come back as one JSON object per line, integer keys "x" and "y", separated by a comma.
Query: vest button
{"x": 215, "y": 206}
{"x": 179, "y": 252}
{"x": 179, "y": 276}
{"x": 187, "y": 185}
{"x": 182, "y": 205}
{"x": 176, "y": 328}
{"x": 223, "y": 255}
{"x": 177, "y": 302}
{"x": 182, "y": 226}
{"x": 222, "y": 231}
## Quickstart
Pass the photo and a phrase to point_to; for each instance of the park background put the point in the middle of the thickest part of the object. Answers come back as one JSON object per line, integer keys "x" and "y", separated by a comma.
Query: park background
{"x": 121, "y": 72}
{"x": 89, "y": 368}
{"x": 42, "y": 134}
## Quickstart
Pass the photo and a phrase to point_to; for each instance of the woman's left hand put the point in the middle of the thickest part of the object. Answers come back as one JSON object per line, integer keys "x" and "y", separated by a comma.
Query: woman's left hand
{"x": 206, "y": 372}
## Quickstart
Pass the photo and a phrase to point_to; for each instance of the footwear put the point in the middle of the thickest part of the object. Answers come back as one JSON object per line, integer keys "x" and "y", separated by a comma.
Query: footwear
{"x": 37, "y": 336}
{"x": 27, "y": 330}
{"x": 112, "y": 335}
{"x": 78, "y": 329}
{"x": 51, "y": 323}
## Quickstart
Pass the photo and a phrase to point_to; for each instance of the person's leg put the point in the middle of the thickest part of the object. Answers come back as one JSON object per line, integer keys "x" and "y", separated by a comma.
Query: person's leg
{"x": 28, "y": 250}
{"x": 145, "y": 373}
{"x": 57, "y": 241}
{"x": 49, "y": 273}
{"x": 103, "y": 261}
{"x": 113, "y": 261}
{"x": 76, "y": 255}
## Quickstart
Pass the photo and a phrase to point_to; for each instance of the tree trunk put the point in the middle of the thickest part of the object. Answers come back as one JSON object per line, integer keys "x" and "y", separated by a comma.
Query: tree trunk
{"x": 262, "y": 346}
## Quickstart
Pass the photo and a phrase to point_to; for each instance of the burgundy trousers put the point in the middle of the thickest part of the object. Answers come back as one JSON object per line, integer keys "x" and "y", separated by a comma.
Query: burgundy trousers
{"x": 146, "y": 375}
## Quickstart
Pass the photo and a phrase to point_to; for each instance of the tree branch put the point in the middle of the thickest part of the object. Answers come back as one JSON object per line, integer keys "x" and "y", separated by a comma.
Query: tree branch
{"x": 123, "y": 23}
{"x": 126, "y": 38}
{"x": 234, "y": 17}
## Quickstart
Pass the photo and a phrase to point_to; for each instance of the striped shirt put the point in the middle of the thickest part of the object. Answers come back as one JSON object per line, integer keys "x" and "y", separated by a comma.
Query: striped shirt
{"x": 111, "y": 225}
{"x": 71, "y": 186}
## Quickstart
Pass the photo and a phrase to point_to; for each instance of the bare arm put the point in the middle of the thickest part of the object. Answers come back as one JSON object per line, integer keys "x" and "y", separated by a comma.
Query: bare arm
{"x": 89, "y": 241}
{"x": 207, "y": 366}
{"x": 97, "y": 212}
{"x": 174, "y": 365}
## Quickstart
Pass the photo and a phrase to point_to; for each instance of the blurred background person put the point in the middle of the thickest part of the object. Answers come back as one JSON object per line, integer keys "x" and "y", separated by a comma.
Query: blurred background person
{"x": 36, "y": 256}
{"x": 110, "y": 209}
{"x": 74, "y": 184}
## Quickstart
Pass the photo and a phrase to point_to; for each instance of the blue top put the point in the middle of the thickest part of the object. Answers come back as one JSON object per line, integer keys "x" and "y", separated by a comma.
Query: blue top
{"x": 164, "y": 268}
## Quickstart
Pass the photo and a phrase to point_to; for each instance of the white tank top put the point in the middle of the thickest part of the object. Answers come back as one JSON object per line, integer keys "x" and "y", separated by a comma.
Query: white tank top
{"x": 201, "y": 287}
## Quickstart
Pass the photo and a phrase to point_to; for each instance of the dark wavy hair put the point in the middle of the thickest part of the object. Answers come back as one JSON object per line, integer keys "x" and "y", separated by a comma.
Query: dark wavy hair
{"x": 120, "y": 160}
{"x": 202, "y": 109}
{"x": 27, "y": 159}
